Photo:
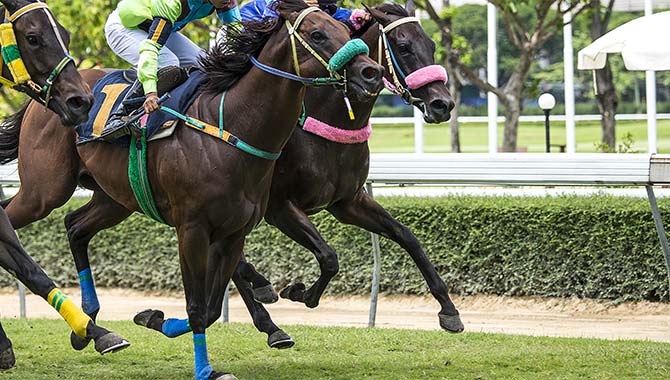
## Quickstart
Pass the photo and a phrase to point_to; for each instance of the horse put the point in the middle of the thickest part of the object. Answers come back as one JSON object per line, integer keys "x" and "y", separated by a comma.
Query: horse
{"x": 320, "y": 171}
{"x": 214, "y": 207}
{"x": 48, "y": 75}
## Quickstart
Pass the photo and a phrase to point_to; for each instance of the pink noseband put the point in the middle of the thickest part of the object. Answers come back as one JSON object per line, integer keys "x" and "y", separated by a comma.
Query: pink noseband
{"x": 342, "y": 136}
{"x": 425, "y": 75}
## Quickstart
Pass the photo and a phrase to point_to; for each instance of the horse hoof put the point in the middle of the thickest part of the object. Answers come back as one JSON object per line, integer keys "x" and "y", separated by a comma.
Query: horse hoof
{"x": 294, "y": 292}
{"x": 110, "y": 342}
{"x": 451, "y": 323}
{"x": 145, "y": 317}
{"x": 265, "y": 294}
{"x": 280, "y": 340}
{"x": 7, "y": 358}
{"x": 222, "y": 376}
{"x": 77, "y": 342}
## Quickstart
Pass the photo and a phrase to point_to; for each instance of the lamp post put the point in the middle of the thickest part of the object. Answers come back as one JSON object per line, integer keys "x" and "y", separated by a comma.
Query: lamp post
{"x": 547, "y": 103}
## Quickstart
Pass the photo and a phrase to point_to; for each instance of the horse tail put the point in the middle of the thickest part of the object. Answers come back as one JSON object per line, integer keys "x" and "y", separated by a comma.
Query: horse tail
{"x": 10, "y": 129}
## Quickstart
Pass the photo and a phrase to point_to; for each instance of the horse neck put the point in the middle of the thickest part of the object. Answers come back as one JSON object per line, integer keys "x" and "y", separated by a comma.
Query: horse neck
{"x": 261, "y": 109}
{"x": 335, "y": 112}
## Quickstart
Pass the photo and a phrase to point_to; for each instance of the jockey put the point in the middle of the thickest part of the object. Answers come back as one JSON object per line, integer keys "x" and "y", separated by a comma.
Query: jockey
{"x": 257, "y": 10}
{"x": 145, "y": 33}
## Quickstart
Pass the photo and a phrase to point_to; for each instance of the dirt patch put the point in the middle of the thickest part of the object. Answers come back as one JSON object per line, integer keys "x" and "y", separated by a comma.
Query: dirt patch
{"x": 510, "y": 315}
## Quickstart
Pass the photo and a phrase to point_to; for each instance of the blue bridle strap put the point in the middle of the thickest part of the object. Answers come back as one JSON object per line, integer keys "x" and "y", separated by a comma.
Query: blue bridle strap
{"x": 293, "y": 77}
{"x": 395, "y": 61}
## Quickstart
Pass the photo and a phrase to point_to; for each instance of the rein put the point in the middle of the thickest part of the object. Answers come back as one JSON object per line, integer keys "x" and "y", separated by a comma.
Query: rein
{"x": 345, "y": 54}
{"x": 414, "y": 80}
{"x": 11, "y": 57}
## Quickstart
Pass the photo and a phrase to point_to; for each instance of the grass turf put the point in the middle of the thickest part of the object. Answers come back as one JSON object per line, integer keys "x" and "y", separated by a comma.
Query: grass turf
{"x": 43, "y": 352}
{"x": 474, "y": 137}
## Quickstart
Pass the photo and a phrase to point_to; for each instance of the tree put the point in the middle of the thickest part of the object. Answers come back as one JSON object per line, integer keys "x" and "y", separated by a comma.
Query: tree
{"x": 605, "y": 90}
{"x": 527, "y": 35}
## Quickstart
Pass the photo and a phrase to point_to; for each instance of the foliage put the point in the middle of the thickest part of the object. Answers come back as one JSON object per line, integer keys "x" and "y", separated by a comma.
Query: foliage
{"x": 626, "y": 145}
{"x": 43, "y": 352}
{"x": 596, "y": 247}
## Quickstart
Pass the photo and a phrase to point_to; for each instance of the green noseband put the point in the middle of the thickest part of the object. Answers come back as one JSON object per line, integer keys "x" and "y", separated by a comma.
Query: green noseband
{"x": 347, "y": 53}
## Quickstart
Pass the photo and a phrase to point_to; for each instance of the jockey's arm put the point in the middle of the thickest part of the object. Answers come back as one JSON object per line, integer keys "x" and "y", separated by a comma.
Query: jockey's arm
{"x": 228, "y": 12}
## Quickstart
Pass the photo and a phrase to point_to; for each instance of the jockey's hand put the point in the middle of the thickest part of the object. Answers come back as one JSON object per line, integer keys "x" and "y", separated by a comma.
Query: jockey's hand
{"x": 151, "y": 103}
{"x": 363, "y": 17}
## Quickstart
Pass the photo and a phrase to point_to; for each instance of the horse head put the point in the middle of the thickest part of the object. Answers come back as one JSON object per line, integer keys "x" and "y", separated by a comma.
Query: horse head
{"x": 35, "y": 51}
{"x": 314, "y": 34}
{"x": 408, "y": 56}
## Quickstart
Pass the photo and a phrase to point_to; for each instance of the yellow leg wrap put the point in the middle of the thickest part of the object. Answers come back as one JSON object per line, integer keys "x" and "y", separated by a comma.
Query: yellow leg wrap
{"x": 73, "y": 315}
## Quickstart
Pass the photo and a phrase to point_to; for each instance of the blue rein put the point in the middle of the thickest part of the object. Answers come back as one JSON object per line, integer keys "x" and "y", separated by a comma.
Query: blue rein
{"x": 293, "y": 77}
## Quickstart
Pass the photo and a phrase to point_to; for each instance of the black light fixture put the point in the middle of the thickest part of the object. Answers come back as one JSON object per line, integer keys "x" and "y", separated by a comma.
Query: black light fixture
{"x": 547, "y": 102}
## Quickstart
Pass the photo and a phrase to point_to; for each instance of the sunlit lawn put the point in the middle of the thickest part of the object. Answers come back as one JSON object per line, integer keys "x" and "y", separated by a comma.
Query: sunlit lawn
{"x": 43, "y": 352}
{"x": 474, "y": 137}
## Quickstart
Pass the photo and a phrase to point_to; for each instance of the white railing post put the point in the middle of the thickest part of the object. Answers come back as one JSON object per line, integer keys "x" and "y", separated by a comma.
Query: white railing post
{"x": 492, "y": 77}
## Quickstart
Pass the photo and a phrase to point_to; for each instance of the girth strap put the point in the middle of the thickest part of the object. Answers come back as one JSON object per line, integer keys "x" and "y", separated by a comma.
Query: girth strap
{"x": 222, "y": 134}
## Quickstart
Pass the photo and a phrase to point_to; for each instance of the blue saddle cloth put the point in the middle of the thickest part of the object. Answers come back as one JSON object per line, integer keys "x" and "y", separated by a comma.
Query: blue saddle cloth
{"x": 115, "y": 86}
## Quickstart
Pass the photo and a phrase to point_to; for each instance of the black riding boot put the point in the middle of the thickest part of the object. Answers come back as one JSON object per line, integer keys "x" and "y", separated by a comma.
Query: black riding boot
{"x": 117, "y": 124}
{"x": 169, "y": 77}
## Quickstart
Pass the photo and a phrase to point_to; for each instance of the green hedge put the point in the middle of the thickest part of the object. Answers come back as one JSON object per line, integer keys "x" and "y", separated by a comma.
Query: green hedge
{"x": 596, "y": 247}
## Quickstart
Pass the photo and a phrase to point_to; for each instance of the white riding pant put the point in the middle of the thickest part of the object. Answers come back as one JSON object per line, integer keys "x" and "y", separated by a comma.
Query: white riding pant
{"x": 177, "y": 51}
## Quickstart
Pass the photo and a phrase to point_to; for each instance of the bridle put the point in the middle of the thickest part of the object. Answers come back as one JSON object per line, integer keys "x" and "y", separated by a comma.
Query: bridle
{"x": 11, "y": 56}
{"x": 345, "y": 54}
{"x": 414, "y": 80}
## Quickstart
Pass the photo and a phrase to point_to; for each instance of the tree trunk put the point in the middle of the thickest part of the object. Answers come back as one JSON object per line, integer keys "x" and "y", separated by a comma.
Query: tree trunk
{"x": 512, "y": 113}
{"x": 456, "y": 89}
{"x": 605, "y": 90}
{"x": 607, "y": 105}
{"x": 513, "y": 96}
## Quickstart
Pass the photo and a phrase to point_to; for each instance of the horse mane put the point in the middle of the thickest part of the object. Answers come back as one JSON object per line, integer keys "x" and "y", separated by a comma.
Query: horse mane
{"x": 392, "y": 9}
{"x": 228, "y": 61}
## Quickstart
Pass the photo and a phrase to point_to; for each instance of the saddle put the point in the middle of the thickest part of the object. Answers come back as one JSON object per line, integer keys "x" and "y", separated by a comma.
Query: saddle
{"x": 169, "y": 78}
{"x": 114, "y": 89}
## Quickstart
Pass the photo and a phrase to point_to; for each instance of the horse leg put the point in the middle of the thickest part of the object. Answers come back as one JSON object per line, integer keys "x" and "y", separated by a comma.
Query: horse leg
{"x": 48, "y": 168}
{"x": 295, "y": 224}
{"x": 7, "y": 359}
{"x": 262, "y": 289}
{"x": 100, "y": 213}
{"x": 16, "y": 261}
{"x": 277, "y": 338}
{"x": 202, "y": 279}
{"x": 365, "y": 212}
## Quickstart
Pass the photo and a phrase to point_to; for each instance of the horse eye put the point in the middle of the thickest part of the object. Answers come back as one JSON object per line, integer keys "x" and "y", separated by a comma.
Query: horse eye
{"x": 33, "y": 40}
{"x": 404, "y": 49}
{"x": 317, "y": 36}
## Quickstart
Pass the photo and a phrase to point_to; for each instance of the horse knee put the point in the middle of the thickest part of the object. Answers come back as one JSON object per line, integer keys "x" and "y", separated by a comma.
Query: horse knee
{"x": 213, "y": 316}
{"x": 330, "y": 265}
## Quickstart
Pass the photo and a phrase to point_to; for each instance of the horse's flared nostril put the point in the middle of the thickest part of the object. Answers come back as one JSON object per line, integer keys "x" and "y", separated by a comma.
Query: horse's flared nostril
{"x": 371, "y": 73}
{"x": 441, "y": 107}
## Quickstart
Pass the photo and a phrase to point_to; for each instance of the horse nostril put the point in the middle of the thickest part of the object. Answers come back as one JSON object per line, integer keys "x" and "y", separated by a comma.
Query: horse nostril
{"x": 78, "y": 103}
{"x": 371, "y": 73}
{"x": 440, "y": 106}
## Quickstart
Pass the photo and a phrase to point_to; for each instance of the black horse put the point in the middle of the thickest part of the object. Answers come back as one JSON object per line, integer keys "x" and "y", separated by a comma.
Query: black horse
{"x": 36, "y": 61}
{"x": 316, "y": 174}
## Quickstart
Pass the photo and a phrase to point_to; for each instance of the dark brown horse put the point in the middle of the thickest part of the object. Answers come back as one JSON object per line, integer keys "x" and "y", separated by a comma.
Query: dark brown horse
{"x": 316, "y": 174}
{"x": 37, "y": 62}
{"x": 211, "y": 192}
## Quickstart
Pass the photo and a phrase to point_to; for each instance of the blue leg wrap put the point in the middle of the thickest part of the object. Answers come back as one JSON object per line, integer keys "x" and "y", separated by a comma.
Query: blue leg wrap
{"x": 89, "y": 298}
{"x": 173, "y": 327}
{"x": 202, "y": 367}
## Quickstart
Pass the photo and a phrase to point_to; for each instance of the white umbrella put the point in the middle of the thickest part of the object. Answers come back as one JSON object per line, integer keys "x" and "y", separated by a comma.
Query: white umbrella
{"x": 644, "y": 44}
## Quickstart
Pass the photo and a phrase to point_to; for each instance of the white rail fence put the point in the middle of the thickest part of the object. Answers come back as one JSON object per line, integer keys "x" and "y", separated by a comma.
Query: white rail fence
{"x": 502, "y": 169}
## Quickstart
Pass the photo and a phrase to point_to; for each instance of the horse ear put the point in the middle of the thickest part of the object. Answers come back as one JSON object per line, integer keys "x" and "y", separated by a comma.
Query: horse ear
{"x": 11, "y": 5}
{"x": 410, "y": 7}
{"x": 379, "y": 16}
